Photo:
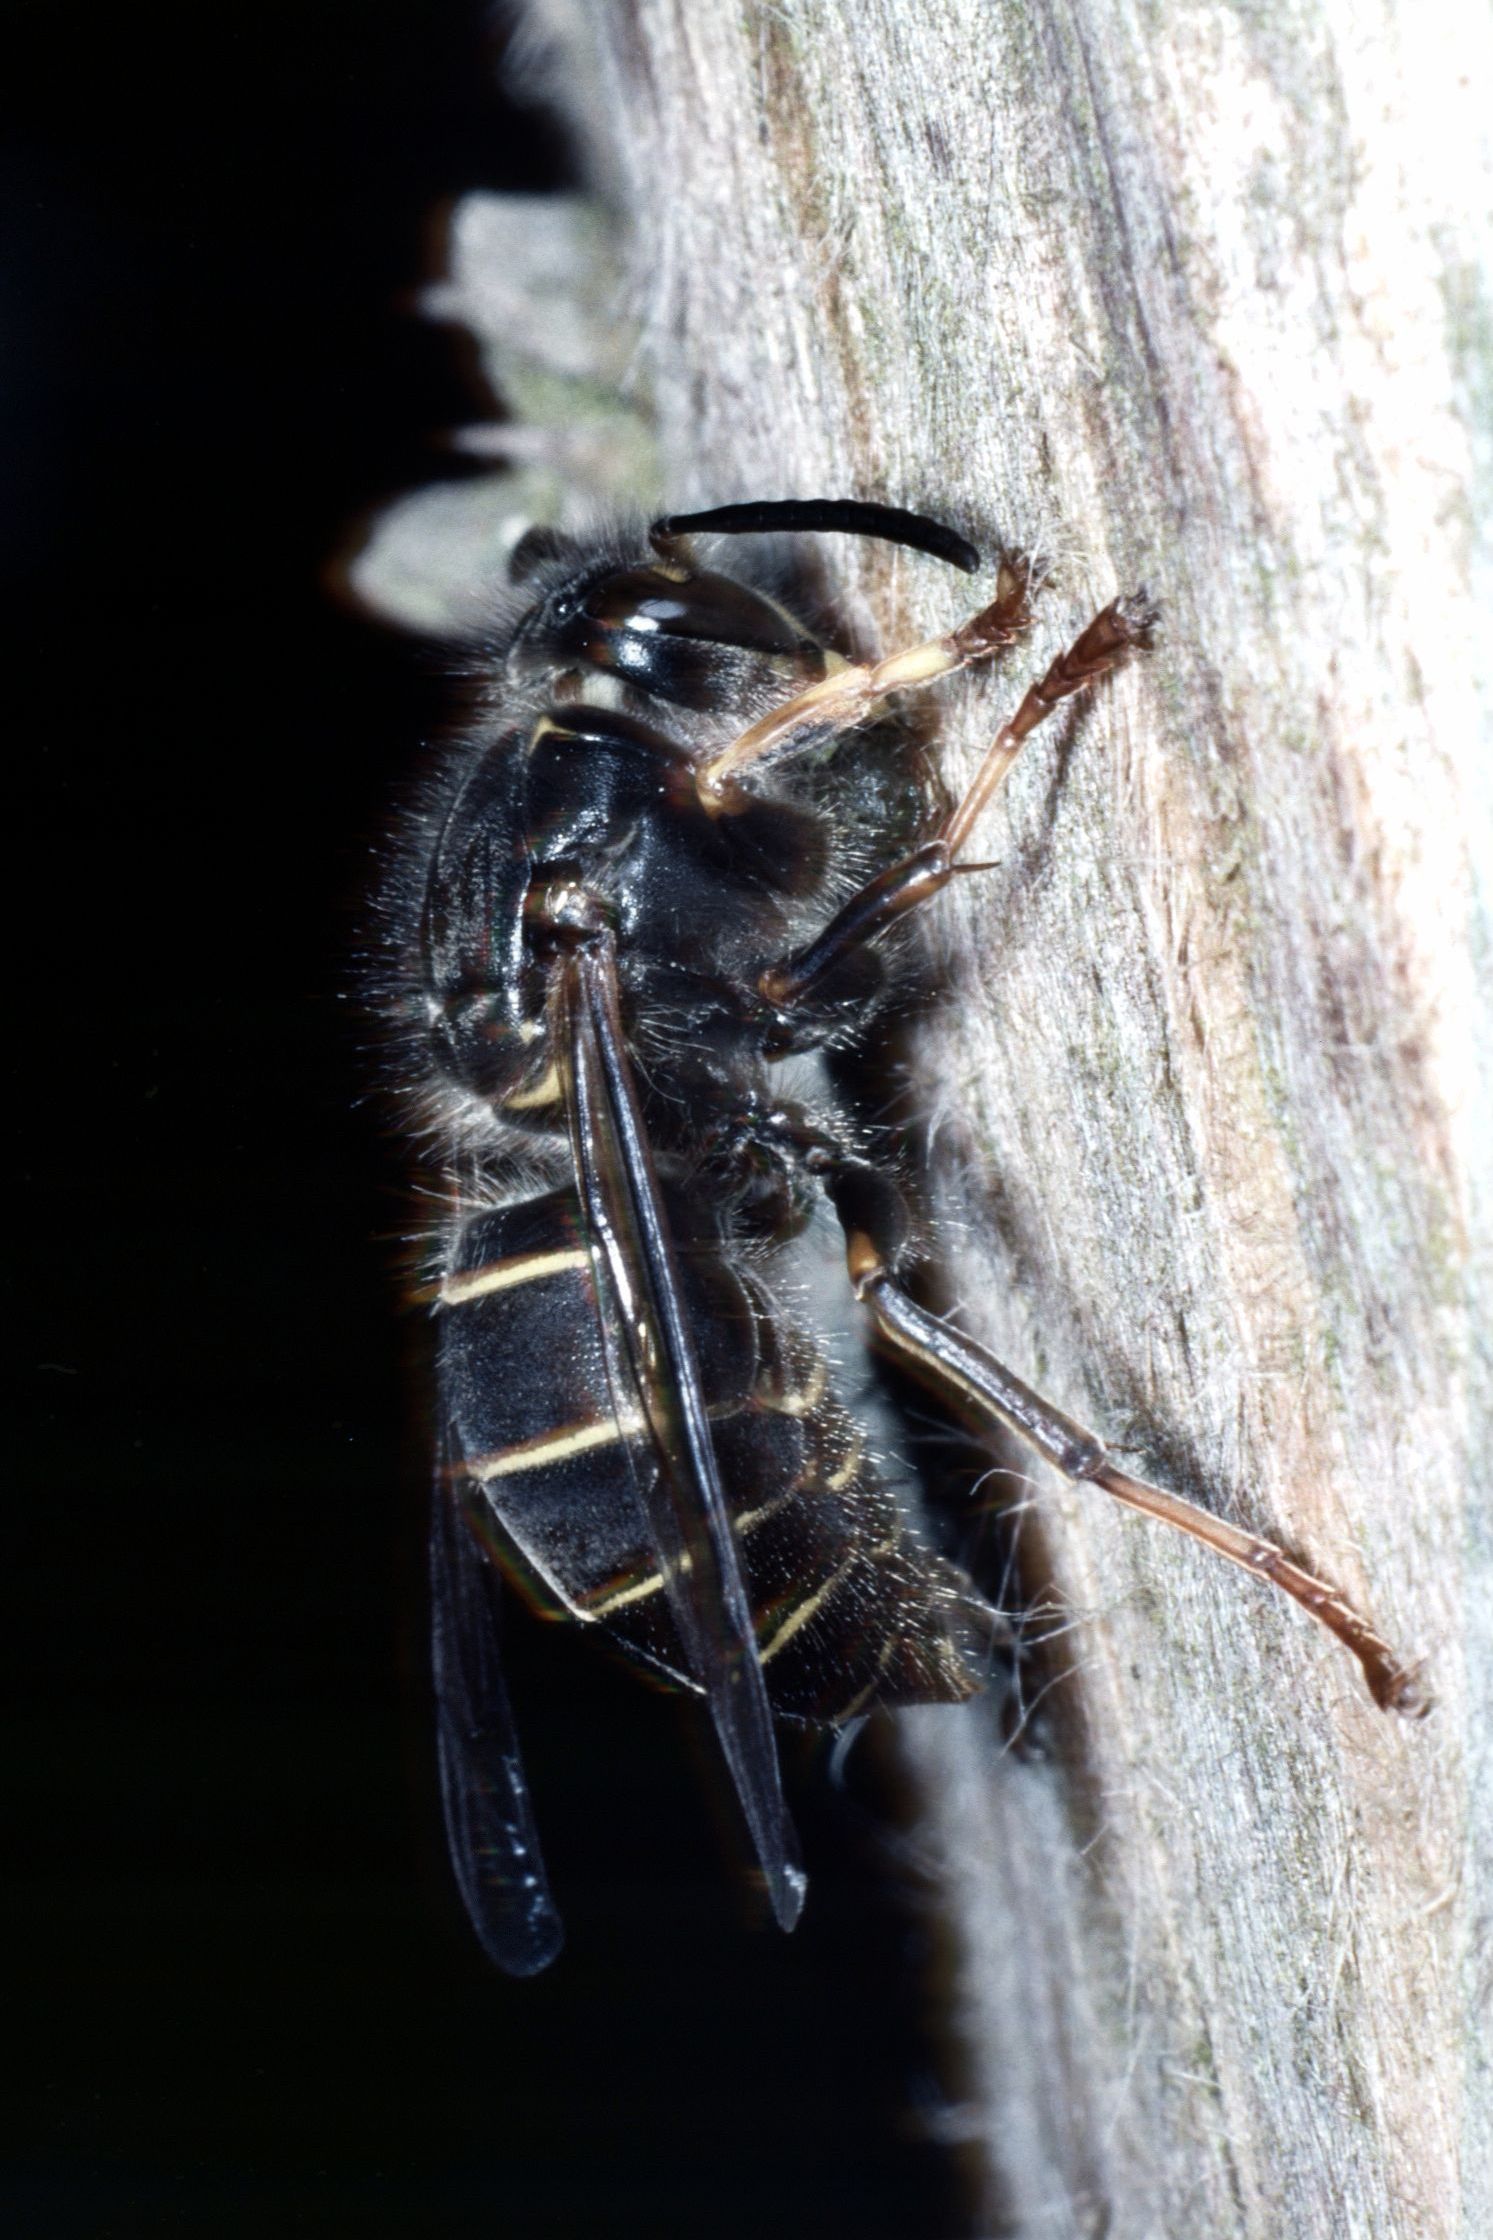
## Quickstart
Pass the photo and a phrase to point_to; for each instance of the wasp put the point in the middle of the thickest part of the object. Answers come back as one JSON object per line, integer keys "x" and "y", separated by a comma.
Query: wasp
{"x": 636, "y": 914}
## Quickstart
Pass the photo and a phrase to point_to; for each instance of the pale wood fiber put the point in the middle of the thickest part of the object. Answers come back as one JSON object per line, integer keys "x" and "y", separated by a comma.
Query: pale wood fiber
{"x": 1196, "y": 296}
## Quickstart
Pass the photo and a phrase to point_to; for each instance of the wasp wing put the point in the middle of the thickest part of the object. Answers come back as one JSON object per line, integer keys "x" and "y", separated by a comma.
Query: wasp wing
{"x": 489, "y": 1819}
{"x": 655, "y": 1375}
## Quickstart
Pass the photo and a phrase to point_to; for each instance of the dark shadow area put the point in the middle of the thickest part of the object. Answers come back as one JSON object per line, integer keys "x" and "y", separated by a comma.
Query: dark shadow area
{"x": 245, "y": 2000}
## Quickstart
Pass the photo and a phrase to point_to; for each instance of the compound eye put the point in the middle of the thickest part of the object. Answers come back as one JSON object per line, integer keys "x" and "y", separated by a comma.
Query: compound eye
{"x": 710, "y": 609}
{"x": 686, "y": 640}
{"x": 688, "y": 637}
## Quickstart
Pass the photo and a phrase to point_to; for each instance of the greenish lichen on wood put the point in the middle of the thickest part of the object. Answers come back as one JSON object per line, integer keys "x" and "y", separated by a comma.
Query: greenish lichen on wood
{"x": 535, "y": 279}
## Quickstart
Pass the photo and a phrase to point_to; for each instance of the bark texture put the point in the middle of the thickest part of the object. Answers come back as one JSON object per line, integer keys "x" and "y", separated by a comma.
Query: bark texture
{"x": 1192, "y": 297}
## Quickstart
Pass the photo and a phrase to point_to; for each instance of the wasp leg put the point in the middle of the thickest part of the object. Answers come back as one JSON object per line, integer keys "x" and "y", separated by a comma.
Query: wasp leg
{"x": 903, "y": 886}
{"x": 849, "y": 694}
{"x": 871, "y": 1213}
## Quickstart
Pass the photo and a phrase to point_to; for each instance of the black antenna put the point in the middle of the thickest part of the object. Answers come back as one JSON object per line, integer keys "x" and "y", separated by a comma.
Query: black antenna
{"x": 890, "y": 523}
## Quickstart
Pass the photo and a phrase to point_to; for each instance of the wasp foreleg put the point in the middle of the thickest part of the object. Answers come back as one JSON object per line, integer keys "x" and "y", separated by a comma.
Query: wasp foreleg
{"x": 850, "y": 693}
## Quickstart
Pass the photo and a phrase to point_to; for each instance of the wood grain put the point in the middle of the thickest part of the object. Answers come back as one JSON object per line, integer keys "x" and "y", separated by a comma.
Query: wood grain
{"x": 1192, "y": 297}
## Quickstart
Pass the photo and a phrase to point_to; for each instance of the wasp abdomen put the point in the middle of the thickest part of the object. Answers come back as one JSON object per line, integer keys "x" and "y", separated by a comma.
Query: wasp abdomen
{"x": 848, "y": 1606}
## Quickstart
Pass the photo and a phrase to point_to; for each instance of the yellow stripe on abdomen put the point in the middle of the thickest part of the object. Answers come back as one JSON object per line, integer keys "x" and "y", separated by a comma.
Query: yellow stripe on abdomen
{"x": 503, "y": 1275}
{"x": 552, "y": 1447}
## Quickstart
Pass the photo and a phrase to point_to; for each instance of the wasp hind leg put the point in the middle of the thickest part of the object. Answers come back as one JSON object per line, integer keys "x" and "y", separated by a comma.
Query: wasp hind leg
{"x": 972, "y": 1381}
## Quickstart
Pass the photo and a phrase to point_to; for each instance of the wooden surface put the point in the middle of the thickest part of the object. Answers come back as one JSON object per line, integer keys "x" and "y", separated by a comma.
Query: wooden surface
{"x": 1189, "y": 297}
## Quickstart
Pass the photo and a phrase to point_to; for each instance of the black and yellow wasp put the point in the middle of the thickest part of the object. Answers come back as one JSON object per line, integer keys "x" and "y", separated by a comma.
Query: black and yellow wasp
{"x": 633, "y": 913}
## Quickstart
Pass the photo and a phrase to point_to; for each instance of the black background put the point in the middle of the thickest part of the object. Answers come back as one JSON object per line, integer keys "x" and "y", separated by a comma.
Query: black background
{"x": 248, "y": 1999}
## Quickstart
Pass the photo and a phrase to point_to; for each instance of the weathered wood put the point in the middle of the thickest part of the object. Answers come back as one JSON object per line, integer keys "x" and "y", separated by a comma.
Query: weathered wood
{"x": 1191, "y": 297}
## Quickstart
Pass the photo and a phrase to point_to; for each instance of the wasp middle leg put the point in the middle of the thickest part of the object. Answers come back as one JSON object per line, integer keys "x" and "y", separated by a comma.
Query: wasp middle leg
{"x": 1121, "y": 627}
